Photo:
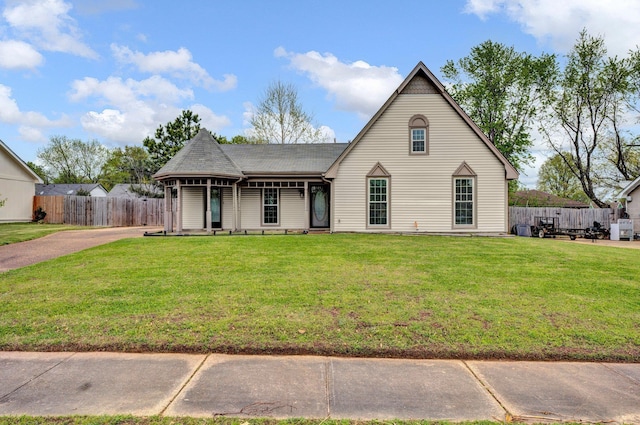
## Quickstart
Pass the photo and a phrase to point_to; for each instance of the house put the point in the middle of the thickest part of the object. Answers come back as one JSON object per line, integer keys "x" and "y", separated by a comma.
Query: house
{"x": 17, "y": 183}
{"x": 630, "y": 197}
{"x": 72, "y": 189}
{"x": 134, "y": 191}
{"x": 419, "y": 165}
{"x": 538, "y": 198}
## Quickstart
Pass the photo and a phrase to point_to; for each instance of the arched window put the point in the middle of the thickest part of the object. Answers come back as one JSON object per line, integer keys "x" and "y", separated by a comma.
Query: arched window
{"x": 419, "y": 135}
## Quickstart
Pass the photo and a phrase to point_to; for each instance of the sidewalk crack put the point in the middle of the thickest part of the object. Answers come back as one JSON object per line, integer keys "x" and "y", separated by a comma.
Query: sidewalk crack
{"x": 184, "y": 384}
{"x": 6, "y": 396}
{"x": 508, "y": 415}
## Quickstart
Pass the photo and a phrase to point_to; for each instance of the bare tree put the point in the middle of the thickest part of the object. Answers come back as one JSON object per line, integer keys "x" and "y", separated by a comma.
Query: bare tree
{"x": 72, "y": 160}
{"x": 279, "y": 117}
{"x": 585, "y": 110}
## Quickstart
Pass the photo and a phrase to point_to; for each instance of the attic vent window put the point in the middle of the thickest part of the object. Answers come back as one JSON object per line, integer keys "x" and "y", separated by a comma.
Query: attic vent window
{"x": 419, "y": 135}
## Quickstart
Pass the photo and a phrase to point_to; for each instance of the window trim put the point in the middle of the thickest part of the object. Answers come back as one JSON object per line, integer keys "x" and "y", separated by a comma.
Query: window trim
{"x": 464, "y": 172}
{"x": 419, "y": 122}
{"x": 377, "y": 172}
{"x": 386, "y": 202}
{"x": 264, "y": 205}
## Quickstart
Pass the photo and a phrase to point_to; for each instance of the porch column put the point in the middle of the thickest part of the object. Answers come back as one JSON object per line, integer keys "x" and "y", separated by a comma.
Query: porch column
{"x": 208, "y": 214}
{"x": 234, "y": 218}
{"x": 168, "y": 217}
{"x": 179, "y": 208}
{"x": 306, "y": 206}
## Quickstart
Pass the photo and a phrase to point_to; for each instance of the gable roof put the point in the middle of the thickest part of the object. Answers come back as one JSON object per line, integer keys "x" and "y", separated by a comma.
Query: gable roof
{"x": 20, "y": 162}
{"x": 203, "y": 156}
{"x": 421, "y": 80}
{"x": 66, "y": 188}
{"x": 630, "y": 188}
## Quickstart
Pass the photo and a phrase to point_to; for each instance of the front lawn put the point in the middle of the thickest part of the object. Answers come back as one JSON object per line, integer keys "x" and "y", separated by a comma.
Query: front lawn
{"x": 355, "y": 295}
{"x": 19, "y": 232}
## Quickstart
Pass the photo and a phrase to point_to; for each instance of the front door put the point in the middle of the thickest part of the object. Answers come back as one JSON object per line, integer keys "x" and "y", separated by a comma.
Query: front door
{"x": 319, "y": 205}
{"x": 216, "y": 210}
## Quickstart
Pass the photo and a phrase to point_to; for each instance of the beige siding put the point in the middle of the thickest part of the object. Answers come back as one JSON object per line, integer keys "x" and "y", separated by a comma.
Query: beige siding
{"x": 250, "y": 208}
{"x": 227, "y": 208}
{"x": 421, "y": 186}
{"x": 193, "y": 212}
{"x": 17, "y": 188}
{"x": 291, "y": 210}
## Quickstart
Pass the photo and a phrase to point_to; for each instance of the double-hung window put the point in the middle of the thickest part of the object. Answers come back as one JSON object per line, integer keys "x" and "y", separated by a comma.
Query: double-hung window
{"x": 419, "y": 135}
{"x": 270, "y": 203}
{"x": 418, "y": 140}
{"x": 463, "y": 201}
{"x": 378, "y": 201}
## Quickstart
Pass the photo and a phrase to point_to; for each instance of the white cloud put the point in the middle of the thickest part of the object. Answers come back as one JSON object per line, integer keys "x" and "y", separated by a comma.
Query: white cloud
{"x": 175, "y": 63}
{"x": 210, "y": 120}
{"x": 10, "y": 113}
{"x": 47, "y": 24}
{"x": 19, "y": 55}
{"x": 31, "y": 134}
{"x": 559, "y": 22}
{"x": 356, "y": 87}
{"x": 132, "y": 110}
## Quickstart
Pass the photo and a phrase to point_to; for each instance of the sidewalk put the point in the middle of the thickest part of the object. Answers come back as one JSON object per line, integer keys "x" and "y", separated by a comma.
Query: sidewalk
{"x": 316, "y": 387}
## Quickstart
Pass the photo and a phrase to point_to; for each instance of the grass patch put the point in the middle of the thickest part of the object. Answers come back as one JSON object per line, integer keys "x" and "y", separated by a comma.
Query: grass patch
{"x": 20, "y": 232}
{"x": 353, "y": 295}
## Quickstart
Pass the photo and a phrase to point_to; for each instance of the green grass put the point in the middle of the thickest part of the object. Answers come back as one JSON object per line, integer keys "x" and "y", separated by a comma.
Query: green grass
{"x": 355, "y": 295}
{"x": 19, "y": 232}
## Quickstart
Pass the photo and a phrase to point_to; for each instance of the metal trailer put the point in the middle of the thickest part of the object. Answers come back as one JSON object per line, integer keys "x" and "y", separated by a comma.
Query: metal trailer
{"x": 549, "y": 227}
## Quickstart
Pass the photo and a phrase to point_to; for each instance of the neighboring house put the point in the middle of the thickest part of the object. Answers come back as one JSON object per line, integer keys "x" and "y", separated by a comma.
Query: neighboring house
{"x": 17, "y": 183}
{"x": 125, "y": 190}
{"x": 93, "y": 189}
{"x": 419, "y": 165}
{"x": 631, "y": 199}
{"x": 538, "y": 198}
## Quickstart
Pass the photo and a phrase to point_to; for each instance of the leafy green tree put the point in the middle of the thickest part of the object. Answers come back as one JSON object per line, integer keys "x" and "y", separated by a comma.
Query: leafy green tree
{"x": 170, "y": 138}
{"x": 555, "y": 177}
{"x": 280, "y": 118}
{"x": 40, "y": 171}
{"x": 502, "y": 91}
{"x": 72, "y": 160}
{"x": 235, "y": 140}
{"x": 130, "y": 164}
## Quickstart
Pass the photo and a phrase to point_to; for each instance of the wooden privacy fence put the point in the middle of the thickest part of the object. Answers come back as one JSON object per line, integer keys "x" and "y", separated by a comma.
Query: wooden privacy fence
{"x": 568, "y": 218}
{"x": 101, "y": 211}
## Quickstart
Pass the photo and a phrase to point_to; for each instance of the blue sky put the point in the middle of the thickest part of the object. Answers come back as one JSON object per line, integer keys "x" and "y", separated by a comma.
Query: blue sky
{"x": 115, "y": 70}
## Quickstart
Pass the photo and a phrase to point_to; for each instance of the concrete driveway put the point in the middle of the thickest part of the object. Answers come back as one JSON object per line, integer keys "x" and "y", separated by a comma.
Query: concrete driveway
{"x": 23, "y": 254}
